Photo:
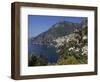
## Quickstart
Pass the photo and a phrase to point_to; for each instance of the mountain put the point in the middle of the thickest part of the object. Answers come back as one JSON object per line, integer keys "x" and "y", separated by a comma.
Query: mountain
{"x": 59, "y": 29}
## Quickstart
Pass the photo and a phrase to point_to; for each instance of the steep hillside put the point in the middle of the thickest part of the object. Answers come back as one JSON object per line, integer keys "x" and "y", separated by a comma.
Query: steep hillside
{"x": 59, "y": 29}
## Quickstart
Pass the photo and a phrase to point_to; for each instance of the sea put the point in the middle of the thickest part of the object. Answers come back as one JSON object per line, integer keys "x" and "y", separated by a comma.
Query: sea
{"x": 47, "y": 51}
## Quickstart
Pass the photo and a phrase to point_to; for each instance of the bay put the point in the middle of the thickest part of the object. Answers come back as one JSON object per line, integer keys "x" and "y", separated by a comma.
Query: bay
{"x": 48, "y": 52}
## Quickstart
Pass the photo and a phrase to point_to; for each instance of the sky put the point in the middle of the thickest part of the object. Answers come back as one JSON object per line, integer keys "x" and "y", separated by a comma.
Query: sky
{"x": 38, "y": 24}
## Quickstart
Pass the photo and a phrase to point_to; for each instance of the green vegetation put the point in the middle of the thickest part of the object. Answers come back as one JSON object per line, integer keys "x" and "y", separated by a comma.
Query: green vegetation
{"x": 75, "y": 50}
{"x": 37, "y": 60}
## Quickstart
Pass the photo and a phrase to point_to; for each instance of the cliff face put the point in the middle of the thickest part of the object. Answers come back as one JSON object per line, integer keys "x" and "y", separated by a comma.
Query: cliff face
{"x": 59, "y": 29}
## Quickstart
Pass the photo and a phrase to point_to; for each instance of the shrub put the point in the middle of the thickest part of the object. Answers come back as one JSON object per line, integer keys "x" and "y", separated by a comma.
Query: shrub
{"x": 37, "y": 60}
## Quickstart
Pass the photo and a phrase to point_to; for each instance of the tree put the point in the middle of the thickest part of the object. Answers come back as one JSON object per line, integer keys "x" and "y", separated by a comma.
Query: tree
{"x": 37, "y": 60}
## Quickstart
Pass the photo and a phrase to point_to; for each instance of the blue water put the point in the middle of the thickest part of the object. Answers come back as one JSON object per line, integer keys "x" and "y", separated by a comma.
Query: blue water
{"x": 47, "y": 51}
